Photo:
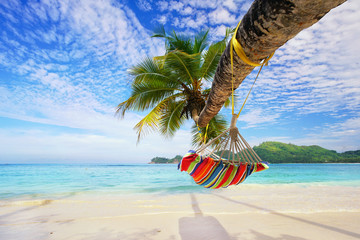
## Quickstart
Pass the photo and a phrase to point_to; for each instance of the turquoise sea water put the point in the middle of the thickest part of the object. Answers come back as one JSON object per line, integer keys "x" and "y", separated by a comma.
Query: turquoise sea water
{"x": 49, "y": 180}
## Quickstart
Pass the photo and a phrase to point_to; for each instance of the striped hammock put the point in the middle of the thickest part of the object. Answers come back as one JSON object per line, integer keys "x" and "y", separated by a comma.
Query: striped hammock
{"x": 230, "y": 162}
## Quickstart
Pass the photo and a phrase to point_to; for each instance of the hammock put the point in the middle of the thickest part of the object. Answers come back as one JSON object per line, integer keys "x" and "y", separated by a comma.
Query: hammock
{"x": 230, "y": 162}
{"x": 232, "y": 159}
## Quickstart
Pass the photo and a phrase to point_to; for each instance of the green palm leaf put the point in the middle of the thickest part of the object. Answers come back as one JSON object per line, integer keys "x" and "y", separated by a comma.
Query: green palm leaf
{"x": 125, "y": 106}
{"x": 201, "y": 42}
{"x": 146, "y": 95}
{"x": 150, "y": 94}
{"x": 211, "y": 59}
{"x": 171, "y": 119}
{"x": 179, "y": 42}
{"x": 151, "y": 121}
{"x": 217, "y": 125}
{"x": 183, "y": 65}
{"x": 149, "y": 70}
{"x": 170, "y": 87}
{"x": 159, "y": 32}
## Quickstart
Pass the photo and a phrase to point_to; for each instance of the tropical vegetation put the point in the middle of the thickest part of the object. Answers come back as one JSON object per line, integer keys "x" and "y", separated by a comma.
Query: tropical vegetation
{"x": 175, "y": 159}
{"x": 174, "y": 87}
{"x": 277, "y": 152}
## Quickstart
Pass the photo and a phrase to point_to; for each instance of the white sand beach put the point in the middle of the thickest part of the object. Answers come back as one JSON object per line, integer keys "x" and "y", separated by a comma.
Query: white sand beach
{"x": 246, "y": 212}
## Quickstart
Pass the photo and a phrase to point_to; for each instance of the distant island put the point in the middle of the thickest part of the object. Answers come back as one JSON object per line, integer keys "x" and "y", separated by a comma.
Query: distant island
{"x": 163, "y": 160}
{"x": 277, "y": 152}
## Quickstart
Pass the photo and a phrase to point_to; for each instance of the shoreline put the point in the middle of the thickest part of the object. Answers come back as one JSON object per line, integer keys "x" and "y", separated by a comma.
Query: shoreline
{"x": 243, "y": 212}
{"x": 186, "y": 189}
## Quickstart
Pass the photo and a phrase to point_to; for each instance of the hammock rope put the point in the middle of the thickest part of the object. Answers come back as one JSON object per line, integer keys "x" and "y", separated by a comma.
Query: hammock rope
{"x": 232, "y": 159}
{"x": 205, "y": 135}
{"x": 237, "y": 142}
{"x": 235, "y": 45}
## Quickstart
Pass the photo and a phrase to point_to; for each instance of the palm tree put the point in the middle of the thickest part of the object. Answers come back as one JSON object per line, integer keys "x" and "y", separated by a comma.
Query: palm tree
{"x": 171, "y": 87}
{"x": 265, "y": 27}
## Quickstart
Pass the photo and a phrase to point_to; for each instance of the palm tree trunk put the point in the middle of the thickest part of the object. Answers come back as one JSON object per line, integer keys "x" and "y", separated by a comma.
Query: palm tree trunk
{"x": 195, "y": 115}
{"x": 265, "y": 27}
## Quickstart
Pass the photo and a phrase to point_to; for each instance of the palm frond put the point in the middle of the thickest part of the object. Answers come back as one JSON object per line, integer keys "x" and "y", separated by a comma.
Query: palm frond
{"x": 148, "y": 70}
{"x": 160, "y": 60}
{"x": 125, "y": 106}
{"x": 228, "y": 103}
{"x": 212, "y": 56}
{"x": 179, "y": 42}
{"x": 151, "y": 121}
{"x": 170, "y": 86}
{"x": 151, "y": 94}
{"x": 159, "y": 32}
{"x": 183, "y": 65}
{"x": 217, "y": 125}
{"x": 147, "y": 95}
{"x": 210, "y": 61}
{"x": 206, "y": 92}
{"x": 201, "y": 42}
{"x": 171, "y": 119}
{"x": 228, "y": 33}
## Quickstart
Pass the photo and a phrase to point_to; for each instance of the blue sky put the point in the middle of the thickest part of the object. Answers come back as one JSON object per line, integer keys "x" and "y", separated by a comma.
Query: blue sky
{"x": 63, "y": 71}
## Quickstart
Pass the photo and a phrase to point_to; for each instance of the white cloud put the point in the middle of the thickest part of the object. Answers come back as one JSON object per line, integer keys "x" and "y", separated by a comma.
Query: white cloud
{"x": 94, "y": 43}
{"x": 187, "y": 11}
{"x": 144, "y": 5}
{"x": 102, "y": 137}
{"x": 11, "y": 4}
{"x": 317, "y": 71}
{"x": 221, "y": 16}
{"x": 341, "y": 136}
{"x": 162, "y": 19}
{"x": 218, "y": 32}
{"x": 215, "y": 11}
{"x": 162, "y": 5}
{"x": 231, "y": 5}
{"x": 198, "y": 23}
{"x": 176, "y": 6}
{"x": 314, "y": 73}
{"x": 78, "y": 80}
{"x": 245, "y": 6}
{"x": 207, "y": 4}
{"x": 45, "y": 146}
{"x": 71, "y": 72}
{"x": 255, "y": 117}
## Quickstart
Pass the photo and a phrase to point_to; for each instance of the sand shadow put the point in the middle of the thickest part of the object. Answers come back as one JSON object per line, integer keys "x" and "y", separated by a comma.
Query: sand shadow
{"x": 255, "y": 235}
{"x": 324, "y": 226}
{"x": 261, "y": 236}
{"x": 106, "y": 233}
{"x": 42, "y": 203}
{"x": 201, "y": 227}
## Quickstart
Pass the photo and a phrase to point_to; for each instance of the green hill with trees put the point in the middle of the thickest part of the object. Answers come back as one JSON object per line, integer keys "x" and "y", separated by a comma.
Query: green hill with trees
{"x": 277, "y": 152}
{"x": 166, "y": 160}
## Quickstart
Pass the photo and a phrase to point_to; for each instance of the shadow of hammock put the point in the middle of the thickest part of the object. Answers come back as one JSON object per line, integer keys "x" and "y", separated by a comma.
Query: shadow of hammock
{"x": 331, "y": 228}
{"x": 201, "y": 227}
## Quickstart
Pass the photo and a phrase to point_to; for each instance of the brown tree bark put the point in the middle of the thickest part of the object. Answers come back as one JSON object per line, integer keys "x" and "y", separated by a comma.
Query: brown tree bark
{"x": 267, "y": 25}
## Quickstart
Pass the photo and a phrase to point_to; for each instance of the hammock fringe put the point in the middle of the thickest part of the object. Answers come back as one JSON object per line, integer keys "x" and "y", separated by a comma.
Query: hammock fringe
{"x": 230, "y": 162}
